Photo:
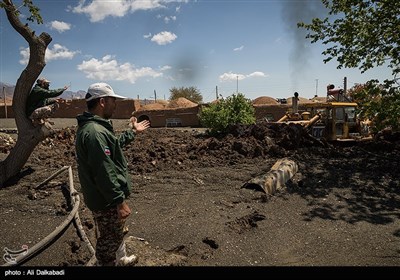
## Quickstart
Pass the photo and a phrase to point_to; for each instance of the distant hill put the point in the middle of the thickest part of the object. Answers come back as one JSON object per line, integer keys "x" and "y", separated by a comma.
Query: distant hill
{"x": 9, "y": 90}
{"x": 73, "y": 94}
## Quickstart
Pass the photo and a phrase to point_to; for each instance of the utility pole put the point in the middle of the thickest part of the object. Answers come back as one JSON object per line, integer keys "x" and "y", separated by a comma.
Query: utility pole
{"x": 316, "y": 87}
{"x": 155, "y": 96}
{"x": 345, "y": 85}
{"x": 5, "y": 102}
{"x": 216, "y": 92}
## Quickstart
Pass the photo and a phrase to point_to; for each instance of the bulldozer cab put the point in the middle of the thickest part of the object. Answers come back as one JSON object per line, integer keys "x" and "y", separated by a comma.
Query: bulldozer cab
{"x": 337, "y": 120}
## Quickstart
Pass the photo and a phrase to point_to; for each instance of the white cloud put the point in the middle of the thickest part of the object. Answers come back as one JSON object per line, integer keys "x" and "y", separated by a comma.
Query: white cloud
{"x": 146, "y": 5}
{"x": 257, "y": 74}
{"x": 166, "y": 67}
{"x": 233, "y": 77}
{"x": 24, "y": 52}
{"x": 164, "y": 38}
{"x": 230, "y": 77}
{"x": 109, "y": 69}
{"x": 167, "y": 19}
{"x": 97, "y": 10}
{"x": 238, "y": 49}
{"x": 59, "y": 26}
{"x": 59, "y": 52}
{"x": 147, "y": 36}
{"x": 55, "y": 53}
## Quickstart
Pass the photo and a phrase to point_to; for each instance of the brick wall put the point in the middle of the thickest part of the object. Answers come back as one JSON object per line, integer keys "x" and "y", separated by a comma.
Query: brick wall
{"x": 171, "y": 117}
{"x": 10, "y": 112}
{"x": 72, "y": 108}
{"x": 271, "y": 111}
{"x": 158, "y": 118}
{"x": 125, "y": 108}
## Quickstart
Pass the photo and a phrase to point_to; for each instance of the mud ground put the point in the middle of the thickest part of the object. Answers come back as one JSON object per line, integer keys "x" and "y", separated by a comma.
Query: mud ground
{"x": 342, "y": 207}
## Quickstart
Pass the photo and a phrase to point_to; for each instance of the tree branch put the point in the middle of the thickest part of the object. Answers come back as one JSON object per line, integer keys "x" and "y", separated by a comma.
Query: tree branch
{"x": 28, "y": 136}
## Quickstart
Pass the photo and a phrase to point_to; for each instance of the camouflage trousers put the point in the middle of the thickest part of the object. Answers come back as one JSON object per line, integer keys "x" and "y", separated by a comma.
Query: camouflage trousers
{"x": 45, "y": 112}
{"x": 109, "y": 234}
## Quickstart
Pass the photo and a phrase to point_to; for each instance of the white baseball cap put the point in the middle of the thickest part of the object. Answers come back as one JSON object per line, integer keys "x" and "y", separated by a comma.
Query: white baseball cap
{"x": 98, "y": 90}
{"x": 43, "y": 80}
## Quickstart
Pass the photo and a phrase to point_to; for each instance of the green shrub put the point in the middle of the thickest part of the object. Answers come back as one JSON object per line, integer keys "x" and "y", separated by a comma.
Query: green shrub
{"x": 379, "y": 103}
{"x": 235, "y": 109}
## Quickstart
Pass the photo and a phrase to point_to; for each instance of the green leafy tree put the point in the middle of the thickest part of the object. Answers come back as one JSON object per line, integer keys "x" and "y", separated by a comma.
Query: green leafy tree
{"x": 379, "y": 103}
{"x": 235, "y": 109}
{"x": 28, "y": 135}
{"x": 364, "y": 34}
{"x": 359, "y": 33}
{"x": 190, "y": 93}
{"x": 33, "y": 10}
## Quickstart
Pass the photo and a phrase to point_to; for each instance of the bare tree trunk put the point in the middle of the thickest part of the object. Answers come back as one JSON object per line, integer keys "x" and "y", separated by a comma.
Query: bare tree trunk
{"x": 28, "y": 136}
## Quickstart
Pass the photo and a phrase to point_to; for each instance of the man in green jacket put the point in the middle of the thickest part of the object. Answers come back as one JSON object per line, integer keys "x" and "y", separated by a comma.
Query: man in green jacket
{"x": 39, "y": 105}
{"x": 103, "y": 172}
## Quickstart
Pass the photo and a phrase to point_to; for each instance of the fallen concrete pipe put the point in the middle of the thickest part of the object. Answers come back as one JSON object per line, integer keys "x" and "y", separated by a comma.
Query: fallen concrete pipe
{"x": 282, "y": 171}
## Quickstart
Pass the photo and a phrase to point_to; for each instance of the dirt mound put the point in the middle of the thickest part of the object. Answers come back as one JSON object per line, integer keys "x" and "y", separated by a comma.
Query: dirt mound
{"x": 300, "y": 100}
{"x": 163, "y": 102}
{"x": 265, "y": 100}
{"x": 181, "y": 102}
{"x": 152, "y": 106}
{"x": 318, "y": 99}
{"x": 182, "y": 150}
{"x": 163, "y": 148}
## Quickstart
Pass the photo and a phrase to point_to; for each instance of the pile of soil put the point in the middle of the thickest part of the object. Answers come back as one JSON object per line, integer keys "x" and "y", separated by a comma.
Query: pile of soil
{"x": 181, "y": 102}
{"x": 152, "y": 106}
{"x": 6, "y": 142}
{"x": 190, "y": 207}
{"x": 299, "y": 100}
{"x": 265, "y": 100}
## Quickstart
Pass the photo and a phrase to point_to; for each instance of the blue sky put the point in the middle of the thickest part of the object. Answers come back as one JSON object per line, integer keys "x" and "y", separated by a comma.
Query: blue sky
{"x": 142, "y": 46}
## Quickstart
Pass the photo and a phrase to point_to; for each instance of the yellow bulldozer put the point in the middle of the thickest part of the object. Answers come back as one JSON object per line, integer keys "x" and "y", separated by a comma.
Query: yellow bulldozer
{"x": 333, "y": 120}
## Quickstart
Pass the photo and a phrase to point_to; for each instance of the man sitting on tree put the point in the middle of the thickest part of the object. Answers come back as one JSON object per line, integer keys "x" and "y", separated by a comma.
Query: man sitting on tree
{"x": 40, "y": 106}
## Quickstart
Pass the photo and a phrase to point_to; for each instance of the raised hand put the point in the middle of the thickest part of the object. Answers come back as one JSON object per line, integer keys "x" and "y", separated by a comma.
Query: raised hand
{"x": 138, "y": 126}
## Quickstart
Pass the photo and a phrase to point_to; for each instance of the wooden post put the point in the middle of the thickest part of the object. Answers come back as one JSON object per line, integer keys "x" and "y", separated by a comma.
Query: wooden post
{"x": 5, "y": 101}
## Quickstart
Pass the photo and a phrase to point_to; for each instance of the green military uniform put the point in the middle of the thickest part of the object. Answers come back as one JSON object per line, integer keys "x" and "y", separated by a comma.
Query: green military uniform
{"x": 104, "y": 178}
{"x": 39, "y": 97}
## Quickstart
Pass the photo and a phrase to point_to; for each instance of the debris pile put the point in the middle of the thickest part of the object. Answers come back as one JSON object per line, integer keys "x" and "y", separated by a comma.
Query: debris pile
{"x": 6, "y": 142}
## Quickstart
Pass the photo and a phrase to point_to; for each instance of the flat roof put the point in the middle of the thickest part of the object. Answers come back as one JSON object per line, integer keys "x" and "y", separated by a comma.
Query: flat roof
{"x": 331, "y": 104}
